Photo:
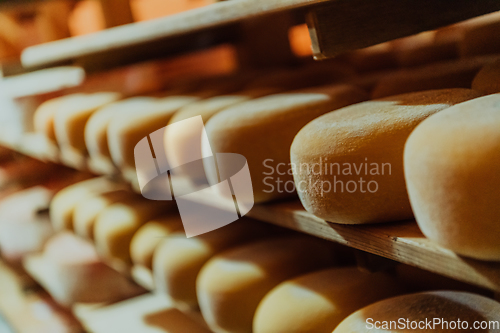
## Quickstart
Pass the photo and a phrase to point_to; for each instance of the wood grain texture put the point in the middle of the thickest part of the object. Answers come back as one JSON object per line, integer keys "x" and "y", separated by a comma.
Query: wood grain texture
{"x": 343, "y": 25}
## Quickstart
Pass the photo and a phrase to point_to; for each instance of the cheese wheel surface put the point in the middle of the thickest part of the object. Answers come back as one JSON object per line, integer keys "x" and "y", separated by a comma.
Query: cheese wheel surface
{"x": 150, "y": 235}
{"x": 451, "y": 168}
{"x": 231, "y": 285}
{"x": 178, "y": 260}
{"x": 263, "y": 129}
{"x": 317, "y": 302}
{"x": 449, "y": 306}
{"x": 487, "y": 80}
{"x": 115, "y": 226}
{"x": 348, "y": 164}
{"x": 64, "y": 202}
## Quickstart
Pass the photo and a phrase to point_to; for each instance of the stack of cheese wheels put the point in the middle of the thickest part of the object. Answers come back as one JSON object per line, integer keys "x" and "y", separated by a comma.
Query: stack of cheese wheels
{"x": 348, "y": 163}
{"x": 149, "y": 237}
{"x": 115, "y": 225}
{"x": 262, "y": 130}
{"x": 487, "y": 80}
{"x": 442, "y": 311}
{"x": 87, "y": 209}
{"x": 451, "y": 168}
{"x": 451, "y": 74}
{"x": 65, "y": 201}
{"x": 125, "y": 130}
{"x": 178, "y": 260}
{"x": 231, "y": 285}
{"x": 317, "y": 302}
{"x": 96, "y": 130}
{"x": 71, "y": 272}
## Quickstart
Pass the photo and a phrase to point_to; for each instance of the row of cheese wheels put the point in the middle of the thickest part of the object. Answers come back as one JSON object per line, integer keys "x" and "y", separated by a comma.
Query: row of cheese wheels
{"x": 245, "y": 277}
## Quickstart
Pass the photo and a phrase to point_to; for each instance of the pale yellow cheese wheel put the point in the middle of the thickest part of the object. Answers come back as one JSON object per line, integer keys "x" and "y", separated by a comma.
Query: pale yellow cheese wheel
{"x": 417, "y": 309}
{"x": 115, "y": 226}
{"x": 178, "y": 260}
{"x": 349, "y": 163}
{"x": 150, "y": 235}
{"x": 86, "y": 211}
{"x": 96, "y": 129}
{"x": 317, "y": 302}
{"x": 451, "y": 164}
{"x": 231, "y": 285}
{"x": 70, "y": 119}
{"x": 127, "y": 129}
{"x": 263, "y": 129}
{"x": 64, "y": 202}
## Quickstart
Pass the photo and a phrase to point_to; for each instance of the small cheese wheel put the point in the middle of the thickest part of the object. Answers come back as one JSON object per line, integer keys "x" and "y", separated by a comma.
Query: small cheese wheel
{"x": 231, "y": 285}
{"x": 96, "y": 130}
{"x": 126, "y": 130}
{"x": 178, "y": 260}
{"x": 439, "y": 75}
{"x": 487, "y": 80}
{"x": 348, "y": 164}
{"x": 70, "y": 270}
{"x": 444, "y": 308}
{"x": 263, "y": 129}
{"x": 115, "y": 226}
{"x": 64, "y": 202}
{"x": 451, "y": 168}
{"x": 86, "y": 211}
{"x": 317, "y": 302}
{"x": 70, "y": 120}
{"x": 43, "y": 118}
{"x": 150, "y": 235}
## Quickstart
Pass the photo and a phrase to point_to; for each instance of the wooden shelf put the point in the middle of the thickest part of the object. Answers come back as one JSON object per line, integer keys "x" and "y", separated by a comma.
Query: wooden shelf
{"x": 399, "y": 241}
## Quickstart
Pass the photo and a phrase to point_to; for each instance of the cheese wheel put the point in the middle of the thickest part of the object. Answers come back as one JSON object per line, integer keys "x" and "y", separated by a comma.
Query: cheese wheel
{"x": 444, "y": 308}
{"x": 96, "y": 130}
{"x": 231, "y": 285}
{"x": 115, "y": 226}
{"x": 150, "y": 235}
{"x": 43, "y": 118}
{"x": 70, "y": 120}
{"x": 348, "y": 164}
{"x": 439, "y": 75}
{"x": 262, "y": 131}
{"x": 64, "y": 202}
{"x": 86, "y": 211}
{"x": 178, "y": 260}
{"x": 376, "y": 57}
{"x": 127, "y": 129}
{"x": 26, "y": 172}
{"x": 480, "y": 35}
{"x": 487, "y": 80}
{"x": 317, "y": 302}
{"x": 451, "y": 168}
{"x": 70, "y": 270}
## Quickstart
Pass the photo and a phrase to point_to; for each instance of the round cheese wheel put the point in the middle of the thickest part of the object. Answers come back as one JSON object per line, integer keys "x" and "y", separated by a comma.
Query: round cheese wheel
{"x": 348, "y": 164}
{"x": 86, "y": 211}
{"x": 115, "y": 226}
{"x": 439, "y": 75}
{"x": 178, "y": 260}
{"x": 150, "y": 235}
{"x": 319, "y": 301}
{"x": 263, "y": 129}
{"x": 64, "y": 202}
{"x": 487, "y": 80}
{"x": 447, "y": 311}
{"x": 451, "y": 168}
{"x": 96, "y": 135}
{"x": 70, "y": 120}
{"x": 479, "y": 35}
{"x": 231, "y": 285}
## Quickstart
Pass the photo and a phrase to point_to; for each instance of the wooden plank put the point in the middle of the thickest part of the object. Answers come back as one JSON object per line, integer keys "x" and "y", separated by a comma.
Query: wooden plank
{"x": 153, "y": 38}
{"x": 344, "y": 25}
